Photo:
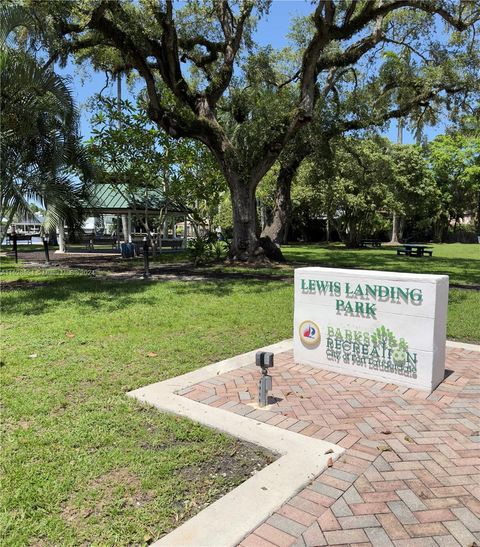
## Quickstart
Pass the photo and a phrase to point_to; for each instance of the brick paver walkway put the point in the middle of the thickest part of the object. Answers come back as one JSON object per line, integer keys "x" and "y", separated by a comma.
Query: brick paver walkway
{"x": 411, "y": 472}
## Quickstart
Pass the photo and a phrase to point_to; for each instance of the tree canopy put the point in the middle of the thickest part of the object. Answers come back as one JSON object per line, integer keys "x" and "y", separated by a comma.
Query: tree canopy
{"x": 455, "y": 161}
{"x": 128, "y": 148}
{"x": 206, "y": 79}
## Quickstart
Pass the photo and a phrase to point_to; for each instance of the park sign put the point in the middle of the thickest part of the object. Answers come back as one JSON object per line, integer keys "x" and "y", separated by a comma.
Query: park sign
{"x": 387, "y": 326}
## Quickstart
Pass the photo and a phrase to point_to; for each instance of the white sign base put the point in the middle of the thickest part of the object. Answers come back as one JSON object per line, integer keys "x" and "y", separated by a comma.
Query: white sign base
{"x": 387, "y": 326}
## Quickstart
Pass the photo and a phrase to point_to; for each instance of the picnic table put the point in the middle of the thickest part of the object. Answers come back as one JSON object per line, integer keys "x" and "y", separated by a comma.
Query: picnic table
{"x": 414, "y": 249}
{"x": 370, "y": 243}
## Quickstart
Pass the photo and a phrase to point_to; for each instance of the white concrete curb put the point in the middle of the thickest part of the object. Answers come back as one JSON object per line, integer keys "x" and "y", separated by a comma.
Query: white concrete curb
{"x": 227, "y": 521}
{"x": 462, "y": 345}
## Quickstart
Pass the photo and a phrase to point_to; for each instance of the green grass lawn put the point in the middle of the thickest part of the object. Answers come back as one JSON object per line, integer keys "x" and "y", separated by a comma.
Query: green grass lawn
{"x": 26, "y": 247}
{"x": 460, "y": 261}
{"x": 82, "y": 463}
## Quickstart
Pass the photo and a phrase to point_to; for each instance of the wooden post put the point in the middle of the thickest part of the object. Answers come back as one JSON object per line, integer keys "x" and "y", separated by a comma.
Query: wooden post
{"x": 118, "y": 231}
{"x": 395, "y": 217}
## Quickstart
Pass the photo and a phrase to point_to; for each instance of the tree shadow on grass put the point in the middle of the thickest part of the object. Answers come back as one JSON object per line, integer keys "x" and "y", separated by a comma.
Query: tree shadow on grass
{"x": 85, "y": 292}
{"x": 223, "y": 287}
{"x": 457, "y": 296}
{"x": 107, "y": 295}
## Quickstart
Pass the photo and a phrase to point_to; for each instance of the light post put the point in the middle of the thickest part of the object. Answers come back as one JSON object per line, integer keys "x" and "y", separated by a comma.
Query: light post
{"x": 146, "y": 259}
{"x": 14, "y": 243}
{"x": 45, "y": 248}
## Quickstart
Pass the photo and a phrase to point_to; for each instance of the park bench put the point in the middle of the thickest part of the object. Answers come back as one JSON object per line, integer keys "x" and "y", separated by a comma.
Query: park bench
{"x": 370, "y": 243}
{"x": 172, "y": 243}
{"x": 167, "y": 244}
{"x": 90, "y": 240}
{"x": 20, "y": 237}
{"x": 410, "y": 249}
{"x": 105, "y": 240}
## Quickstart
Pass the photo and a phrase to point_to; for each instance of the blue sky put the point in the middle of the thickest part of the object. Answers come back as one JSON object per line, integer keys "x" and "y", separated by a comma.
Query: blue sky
{"x": 272, "y": 29}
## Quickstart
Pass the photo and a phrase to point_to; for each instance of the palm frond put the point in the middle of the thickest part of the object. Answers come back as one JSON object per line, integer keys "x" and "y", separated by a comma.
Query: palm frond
{"x": 41, "y": 157}
{"x": 12, "y": 17}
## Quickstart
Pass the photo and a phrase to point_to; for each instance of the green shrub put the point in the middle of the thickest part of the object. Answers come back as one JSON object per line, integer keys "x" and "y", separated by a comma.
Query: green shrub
{"x": 199, "y": 249}
{"x": 207, "y": 247}
{"x": 462, "y": 233}
{"x": 219, "y": 249}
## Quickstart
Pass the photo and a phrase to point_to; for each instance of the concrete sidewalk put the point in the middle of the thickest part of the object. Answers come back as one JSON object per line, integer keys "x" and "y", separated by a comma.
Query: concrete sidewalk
{"x": 411, "y": 472}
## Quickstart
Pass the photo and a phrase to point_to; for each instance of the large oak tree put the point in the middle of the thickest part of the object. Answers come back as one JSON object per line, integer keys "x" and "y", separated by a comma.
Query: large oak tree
{"x": 421, "y": 77}
{"x": 191, "y": 57}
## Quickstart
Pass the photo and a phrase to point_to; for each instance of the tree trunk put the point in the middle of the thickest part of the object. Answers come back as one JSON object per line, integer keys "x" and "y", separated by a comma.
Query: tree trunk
{"x": 353, "y": 235}
{"x": 246, "y": 245}
{"x": 395, "y": 228}
{"x": 276, "y": 230}
{"x": 61, "y": 237}
{"x": 340, "y": 228}
{"x": 401, "y": 227}
{"x": 328, "y": 229}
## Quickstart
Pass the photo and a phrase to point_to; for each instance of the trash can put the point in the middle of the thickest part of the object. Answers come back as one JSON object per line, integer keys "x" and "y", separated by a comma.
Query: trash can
{"x": 127, "y": 250}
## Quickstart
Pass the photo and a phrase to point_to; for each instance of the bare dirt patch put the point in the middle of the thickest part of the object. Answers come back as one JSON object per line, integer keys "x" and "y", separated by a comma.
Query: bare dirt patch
{"x": 22, "y": 284}
{"x": 217, "y": 478}
{"x": 112, "y": 266}
{"x": 120, "y": 492}
{"x": 103, "y": 492}
{"x": 245, "y": 459}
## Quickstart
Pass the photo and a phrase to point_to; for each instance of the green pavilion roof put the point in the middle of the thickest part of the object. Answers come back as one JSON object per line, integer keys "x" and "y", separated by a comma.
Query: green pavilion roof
{"x": 118, "y": 198}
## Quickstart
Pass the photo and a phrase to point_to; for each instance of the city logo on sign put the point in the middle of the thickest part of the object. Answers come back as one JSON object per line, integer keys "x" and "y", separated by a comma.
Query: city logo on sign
{"x": 309, "y": 334}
